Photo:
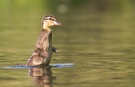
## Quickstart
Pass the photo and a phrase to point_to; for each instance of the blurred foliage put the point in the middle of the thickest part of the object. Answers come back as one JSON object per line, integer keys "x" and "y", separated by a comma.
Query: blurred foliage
{"x": 55, "y": 5}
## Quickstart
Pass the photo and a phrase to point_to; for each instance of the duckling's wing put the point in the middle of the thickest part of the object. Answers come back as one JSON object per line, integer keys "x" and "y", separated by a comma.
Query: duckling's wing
{"x": 37, "y": 57}
{"x": 34, "y": 60}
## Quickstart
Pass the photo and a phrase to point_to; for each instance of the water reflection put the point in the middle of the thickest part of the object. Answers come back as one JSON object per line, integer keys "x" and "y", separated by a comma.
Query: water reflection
{"x": 42, "y": 76}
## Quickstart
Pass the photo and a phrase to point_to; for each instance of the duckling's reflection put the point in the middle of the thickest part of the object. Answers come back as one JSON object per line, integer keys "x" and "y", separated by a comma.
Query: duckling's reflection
{"x": 42, "y": 76}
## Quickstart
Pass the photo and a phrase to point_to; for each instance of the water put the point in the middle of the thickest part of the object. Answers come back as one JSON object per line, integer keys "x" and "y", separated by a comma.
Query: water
{"x": 101, "y": 47}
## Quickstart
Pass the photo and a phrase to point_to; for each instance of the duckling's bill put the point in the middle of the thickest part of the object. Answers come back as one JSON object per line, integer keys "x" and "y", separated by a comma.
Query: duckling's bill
{"x": 57, "y": 23}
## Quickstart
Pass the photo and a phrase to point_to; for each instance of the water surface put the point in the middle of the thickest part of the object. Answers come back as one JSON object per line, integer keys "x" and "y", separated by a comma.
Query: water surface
{"x": 101, "y": 47}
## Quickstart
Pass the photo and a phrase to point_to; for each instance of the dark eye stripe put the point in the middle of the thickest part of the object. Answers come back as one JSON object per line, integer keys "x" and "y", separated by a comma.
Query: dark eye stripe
{"x": 52, "y": 19}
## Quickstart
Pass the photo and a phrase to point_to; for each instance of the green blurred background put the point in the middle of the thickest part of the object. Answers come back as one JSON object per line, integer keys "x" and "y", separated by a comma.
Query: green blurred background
{"x": 96, "y": 35}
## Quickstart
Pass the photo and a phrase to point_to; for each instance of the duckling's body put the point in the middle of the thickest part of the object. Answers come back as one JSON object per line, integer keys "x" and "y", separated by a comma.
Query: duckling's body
{"x": 44, "y": 43}
{"x": 43, "y": 53}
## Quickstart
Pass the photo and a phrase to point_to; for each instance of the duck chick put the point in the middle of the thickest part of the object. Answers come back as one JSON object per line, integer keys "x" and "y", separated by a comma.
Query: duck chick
{"x": 43, "y": 51}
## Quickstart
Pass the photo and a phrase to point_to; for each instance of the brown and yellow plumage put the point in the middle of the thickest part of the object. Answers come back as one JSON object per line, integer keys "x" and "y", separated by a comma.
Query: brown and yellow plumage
{"x": 43, "y": 50}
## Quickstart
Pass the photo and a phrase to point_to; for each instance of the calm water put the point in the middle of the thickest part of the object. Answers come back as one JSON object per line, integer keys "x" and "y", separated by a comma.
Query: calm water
{"x": 102, "y": 48}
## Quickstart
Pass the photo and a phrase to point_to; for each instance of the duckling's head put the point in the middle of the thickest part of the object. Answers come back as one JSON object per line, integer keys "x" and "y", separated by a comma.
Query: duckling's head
{"x": 49, "y": 20}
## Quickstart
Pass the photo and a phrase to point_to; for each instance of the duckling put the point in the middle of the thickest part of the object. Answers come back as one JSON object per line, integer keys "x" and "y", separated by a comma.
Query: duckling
{"x": 43, "y": 50}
